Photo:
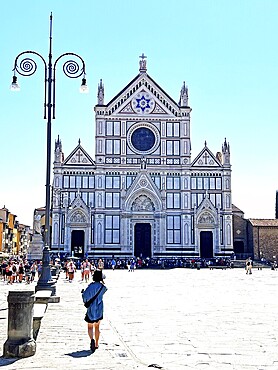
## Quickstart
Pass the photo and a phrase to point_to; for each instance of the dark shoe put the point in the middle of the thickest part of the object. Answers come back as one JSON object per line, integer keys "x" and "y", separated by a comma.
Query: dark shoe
{"x": 93, "y": 345}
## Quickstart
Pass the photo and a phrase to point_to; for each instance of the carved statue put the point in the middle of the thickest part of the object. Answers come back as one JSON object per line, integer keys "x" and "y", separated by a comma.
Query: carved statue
{"x": 142, "y": 64}
{"x": 143, "y": 163}
{"x": 56, "y": 198}
{"x": 65, "y": 201}
{"x": 37, "y": 223}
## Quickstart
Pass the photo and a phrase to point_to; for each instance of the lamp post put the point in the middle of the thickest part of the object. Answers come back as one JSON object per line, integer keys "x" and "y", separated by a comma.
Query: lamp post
{"x": 26, "y": 67}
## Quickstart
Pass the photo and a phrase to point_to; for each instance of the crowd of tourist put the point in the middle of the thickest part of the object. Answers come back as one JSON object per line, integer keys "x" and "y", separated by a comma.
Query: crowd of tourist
{"x": 88, "y": 266}
{"x": 20, "y": 270}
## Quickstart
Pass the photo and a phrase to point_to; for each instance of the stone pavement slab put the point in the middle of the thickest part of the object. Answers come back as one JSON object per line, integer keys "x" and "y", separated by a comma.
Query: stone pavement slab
{"x": 169, "y": 319}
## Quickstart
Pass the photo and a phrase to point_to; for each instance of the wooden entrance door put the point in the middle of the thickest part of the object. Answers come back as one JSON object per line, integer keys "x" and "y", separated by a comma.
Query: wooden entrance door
{"x": 206, "y": 244}
{"x": 142, "y": 240}
{"x": 77, "y": 243}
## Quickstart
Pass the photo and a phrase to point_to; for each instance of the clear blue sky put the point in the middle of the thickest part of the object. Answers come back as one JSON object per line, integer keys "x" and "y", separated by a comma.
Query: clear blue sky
{"x": 226, "y": 51}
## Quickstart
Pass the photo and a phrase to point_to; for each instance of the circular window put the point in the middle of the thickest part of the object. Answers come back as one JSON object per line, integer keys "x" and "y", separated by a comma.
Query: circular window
{"x": 143, "y": 138}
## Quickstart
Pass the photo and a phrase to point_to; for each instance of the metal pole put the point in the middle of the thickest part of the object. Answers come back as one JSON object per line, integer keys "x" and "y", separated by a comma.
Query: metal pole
{"x": 48, "y": 141}
{"x": 71, "y": 68}
{"x": 45, "y": 281}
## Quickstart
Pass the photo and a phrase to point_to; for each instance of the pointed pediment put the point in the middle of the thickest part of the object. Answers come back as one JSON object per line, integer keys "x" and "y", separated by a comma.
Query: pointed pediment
{"x": 206, "y": 159}
{"x": 78, "y": 213}
{"x": 206, "y": 204}
{"x": 79, "y": 203}
{"x": 143, "y": 96}
{"x": 79, "y": 156}
{"x": 206, "y": 213}
{"x": 143, "y": 193}
{"x": 142, "y": 103}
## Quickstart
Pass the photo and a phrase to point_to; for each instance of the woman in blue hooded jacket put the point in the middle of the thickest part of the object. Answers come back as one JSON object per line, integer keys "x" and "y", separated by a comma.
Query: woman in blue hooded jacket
{"x": 92, "y": 298}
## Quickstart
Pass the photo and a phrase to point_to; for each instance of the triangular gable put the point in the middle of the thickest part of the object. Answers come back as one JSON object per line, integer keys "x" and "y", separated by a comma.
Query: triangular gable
{"x": 143, "y": 184}
{"x": 206, "y": 204}
{"x": 79, "y": 156}
{"x": 143, "y": 96}
{"x": 206, "y": 159}
{"x": 78, "y": 211}
{"x": 142, "y": 102}
{"x": 206, "y": 212}
{"x": 78, "y": 202}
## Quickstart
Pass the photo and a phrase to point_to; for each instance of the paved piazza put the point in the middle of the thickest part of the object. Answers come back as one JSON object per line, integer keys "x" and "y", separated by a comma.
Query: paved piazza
{"x": 168, "y": 319}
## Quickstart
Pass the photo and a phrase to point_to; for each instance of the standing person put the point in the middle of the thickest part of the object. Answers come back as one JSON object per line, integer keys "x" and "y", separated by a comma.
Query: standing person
{"x": 33, "y": 269}
{"x": 133, "y": 265}
{"x": 128, "y": 265}
{"x": 20, "y": 272}
{"x": 71, "y": 270}
{"x": 248, "y": 266}
{"x": 113, "y": 264}
{"x": 27, "y": 269}
{"x": 93, "y": 301}
{"x": 14, "y": 272}
{"x": 100, "y": 264}
{"x": 82, "y": 271}
{"x": 9, "y": 273}
{"x": 93, "y": 268}
{"x": 4, "y": 266}
{"x": 39, "y": 269}
{"x": 66, "y": 264}
{"x": 87, "y": 270}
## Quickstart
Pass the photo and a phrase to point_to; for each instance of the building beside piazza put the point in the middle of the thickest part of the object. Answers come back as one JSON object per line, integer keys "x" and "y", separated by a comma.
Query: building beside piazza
{"x": 142, "y": 194}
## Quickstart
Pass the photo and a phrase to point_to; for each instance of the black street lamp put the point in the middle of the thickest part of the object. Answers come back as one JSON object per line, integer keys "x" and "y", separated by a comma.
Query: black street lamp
{"x": 71, "y": 68}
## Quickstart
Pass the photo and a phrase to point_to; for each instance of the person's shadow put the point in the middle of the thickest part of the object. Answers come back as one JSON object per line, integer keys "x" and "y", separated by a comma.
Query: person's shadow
{"x": 78, "y": 354}
{"x": 7, "y": 361}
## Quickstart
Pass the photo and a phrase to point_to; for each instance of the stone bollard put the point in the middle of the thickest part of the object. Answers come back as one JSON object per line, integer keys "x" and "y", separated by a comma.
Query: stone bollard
{"x": 20, "y": 342}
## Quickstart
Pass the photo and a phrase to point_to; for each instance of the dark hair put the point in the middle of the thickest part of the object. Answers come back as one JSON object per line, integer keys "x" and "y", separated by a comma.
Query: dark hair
{"x": 97, "y": 276}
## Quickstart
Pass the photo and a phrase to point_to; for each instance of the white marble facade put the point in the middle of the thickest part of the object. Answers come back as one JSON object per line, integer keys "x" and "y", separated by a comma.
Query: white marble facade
{"x": 142, "y": 194}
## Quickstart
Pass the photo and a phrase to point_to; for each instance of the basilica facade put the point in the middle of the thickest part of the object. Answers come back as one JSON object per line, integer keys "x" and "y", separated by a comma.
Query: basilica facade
{"x": 142, "y": 194}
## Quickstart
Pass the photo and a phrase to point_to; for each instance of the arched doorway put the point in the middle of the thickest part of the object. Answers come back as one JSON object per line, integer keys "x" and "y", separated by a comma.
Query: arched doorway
{"x": 206, "y": 244}
{"x": 142, "y": 240}
{"x": 77, "y": 243}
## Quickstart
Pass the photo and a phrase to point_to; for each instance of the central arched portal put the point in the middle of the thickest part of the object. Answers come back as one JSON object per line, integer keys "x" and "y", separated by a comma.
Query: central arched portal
{"x": 77, "y": 243}
{"x": 142, "y": 240}
{"x": 206, "y": 244}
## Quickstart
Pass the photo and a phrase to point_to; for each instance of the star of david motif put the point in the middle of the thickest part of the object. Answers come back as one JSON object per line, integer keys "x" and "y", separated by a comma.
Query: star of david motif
{"x": 143, "y": 103}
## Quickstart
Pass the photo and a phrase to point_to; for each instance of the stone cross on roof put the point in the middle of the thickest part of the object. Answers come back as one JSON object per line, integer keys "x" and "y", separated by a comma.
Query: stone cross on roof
{"x": 142, "y": 64}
